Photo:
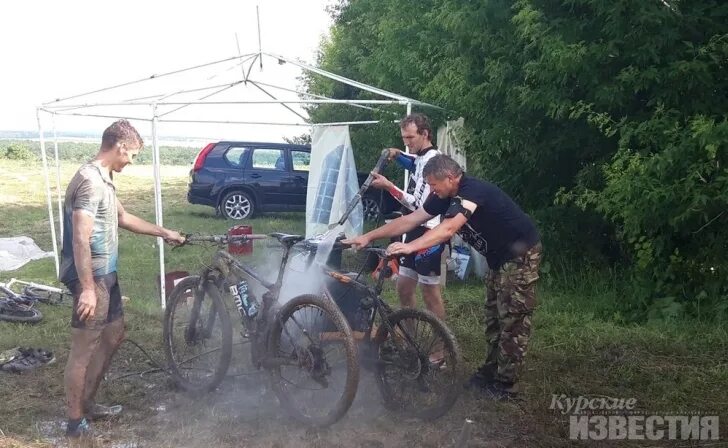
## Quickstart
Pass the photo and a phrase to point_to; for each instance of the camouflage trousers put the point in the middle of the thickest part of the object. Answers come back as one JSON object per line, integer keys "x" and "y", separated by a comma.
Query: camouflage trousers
{"x": 509, "y": 304}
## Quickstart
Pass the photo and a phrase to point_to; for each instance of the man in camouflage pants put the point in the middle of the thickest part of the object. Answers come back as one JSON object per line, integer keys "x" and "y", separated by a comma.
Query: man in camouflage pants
{"x": 487, "y": 219}
{"x": 509, "y": 304}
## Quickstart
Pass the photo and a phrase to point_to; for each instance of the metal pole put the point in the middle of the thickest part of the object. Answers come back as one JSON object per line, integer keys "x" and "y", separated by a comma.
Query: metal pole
{"x": 406, "y": 173}
{"x": 158, "y": 206}
{"x": 48, "y": 192}
{"x": 153, "y": 76}
{"x": 216, "y": 103}
{"x": 351, "y": 82}
{"x": 58, "y": 179}
{"x": 260, "y": 46}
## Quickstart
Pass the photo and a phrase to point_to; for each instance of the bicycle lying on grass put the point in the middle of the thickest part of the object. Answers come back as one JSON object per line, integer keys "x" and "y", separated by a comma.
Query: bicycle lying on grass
{"x": 416, "y": 358}
{"x": 305, "y": 345}
{"x": 20, "y": 307}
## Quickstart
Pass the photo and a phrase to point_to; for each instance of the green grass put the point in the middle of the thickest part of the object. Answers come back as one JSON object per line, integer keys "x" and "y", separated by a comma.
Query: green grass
{"x": 669, "y": 367}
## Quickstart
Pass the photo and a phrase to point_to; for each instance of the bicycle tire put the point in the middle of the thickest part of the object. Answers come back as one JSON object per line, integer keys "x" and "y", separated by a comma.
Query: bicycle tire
{"x": 44, "y": 296}
{"x": 30, "y": 316}
{"x": 205, "y": 302}
{"x": 412, "y": 367}
{"x": 340, "y": 339}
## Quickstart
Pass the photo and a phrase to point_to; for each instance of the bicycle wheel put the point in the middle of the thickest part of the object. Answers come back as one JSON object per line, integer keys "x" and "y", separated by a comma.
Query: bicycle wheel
{"x": 12, "y": 311}
{"x": 418, "y": 371}
{"x": 312, "y": 360}
{"x": 197, "y": 336}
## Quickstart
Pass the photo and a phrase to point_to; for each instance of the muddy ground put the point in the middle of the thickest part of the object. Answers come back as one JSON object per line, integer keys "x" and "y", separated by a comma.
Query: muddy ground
{"x": 244, "y": 412}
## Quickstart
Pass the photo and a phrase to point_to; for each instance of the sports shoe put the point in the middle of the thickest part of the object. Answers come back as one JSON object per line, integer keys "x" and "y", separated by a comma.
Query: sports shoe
{"x": 23, "y": 359}
{"x": 97, "y": 411}
{"x": 81, "y": 429}
{"x": 482, "y": 377}
{"x": 500, "y": 391}
{"x": 9, "y": 355}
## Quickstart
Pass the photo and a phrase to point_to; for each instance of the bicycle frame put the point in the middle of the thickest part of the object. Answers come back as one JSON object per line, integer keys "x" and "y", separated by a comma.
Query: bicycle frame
{"x": 33, "y": 285}
{"x": 380, "y": 307}
{"x": 226, "y": 270}
{"x": 4, "y": 287}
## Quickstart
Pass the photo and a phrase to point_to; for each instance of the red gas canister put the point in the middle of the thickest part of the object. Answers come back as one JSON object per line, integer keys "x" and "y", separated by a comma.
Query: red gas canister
{"x": 171, "y": 279}
{"x": 245, "y": 248}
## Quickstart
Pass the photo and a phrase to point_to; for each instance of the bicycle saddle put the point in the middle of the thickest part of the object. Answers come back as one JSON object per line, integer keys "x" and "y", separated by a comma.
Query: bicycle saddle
{"x": 287, "y": 239}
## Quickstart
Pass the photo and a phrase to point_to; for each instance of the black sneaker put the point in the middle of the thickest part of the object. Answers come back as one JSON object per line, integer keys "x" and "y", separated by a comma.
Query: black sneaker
{"x": 482, "y": 377}
{"x": 99, "y": 411}
{"x": 24, "y": 359}
{"x": 500, "y": 391}
{"x": 81, "y": 429}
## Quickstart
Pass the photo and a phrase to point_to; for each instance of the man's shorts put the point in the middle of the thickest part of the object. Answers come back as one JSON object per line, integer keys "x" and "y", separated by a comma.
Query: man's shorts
{"x": 108, "y": 302}
{"x": 423, "y": 265}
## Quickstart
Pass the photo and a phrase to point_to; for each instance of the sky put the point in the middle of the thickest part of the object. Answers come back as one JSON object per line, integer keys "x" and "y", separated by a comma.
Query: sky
{"x": 55, "y": 49}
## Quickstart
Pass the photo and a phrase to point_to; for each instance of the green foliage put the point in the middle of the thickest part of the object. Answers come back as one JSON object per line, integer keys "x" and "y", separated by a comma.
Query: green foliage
{"x": 606, "y": 120}
{"x": 303, "y": 139}
{"x": 18, "y": 151}
{"x": 80, "y": 151}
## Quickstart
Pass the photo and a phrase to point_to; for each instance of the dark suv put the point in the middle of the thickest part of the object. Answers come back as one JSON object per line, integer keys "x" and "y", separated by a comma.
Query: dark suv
{"x": 240, "y": 179}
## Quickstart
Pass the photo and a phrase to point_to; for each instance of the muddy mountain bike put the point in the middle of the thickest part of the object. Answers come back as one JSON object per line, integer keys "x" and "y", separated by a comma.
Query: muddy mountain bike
{"x": 415, "y": 357}
{"x": 49, "y": 295}
{"x": 15, "y": 307}
{"x": 305, "y": 345}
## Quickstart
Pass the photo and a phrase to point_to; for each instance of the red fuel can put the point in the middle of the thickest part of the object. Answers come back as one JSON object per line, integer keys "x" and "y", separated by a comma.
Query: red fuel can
{"x": 238, "y": 248}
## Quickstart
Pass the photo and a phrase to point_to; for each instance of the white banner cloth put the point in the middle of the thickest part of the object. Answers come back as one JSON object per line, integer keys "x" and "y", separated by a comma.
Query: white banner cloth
{"x": 332, "y": 182}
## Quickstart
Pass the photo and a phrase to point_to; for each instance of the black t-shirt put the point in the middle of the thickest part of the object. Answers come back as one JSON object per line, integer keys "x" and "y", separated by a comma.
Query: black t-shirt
{"x": 498, "y": 228}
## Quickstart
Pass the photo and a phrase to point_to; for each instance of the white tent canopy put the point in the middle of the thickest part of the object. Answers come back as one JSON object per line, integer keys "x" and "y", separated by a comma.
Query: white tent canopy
{"x": 214, "y": 94}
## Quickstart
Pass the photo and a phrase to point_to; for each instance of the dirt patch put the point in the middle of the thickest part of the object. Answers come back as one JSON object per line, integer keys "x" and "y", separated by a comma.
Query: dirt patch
{"x": 9, "y": 442}
{"x": 245, "y": 412}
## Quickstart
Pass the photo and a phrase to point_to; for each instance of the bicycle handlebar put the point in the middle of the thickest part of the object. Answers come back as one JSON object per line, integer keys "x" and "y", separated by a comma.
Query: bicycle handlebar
{"x": 381, "y": 163}
{"x": 378, "y": 251}
{"x": 220, "y": 239}
{"x": 312, "y": 244}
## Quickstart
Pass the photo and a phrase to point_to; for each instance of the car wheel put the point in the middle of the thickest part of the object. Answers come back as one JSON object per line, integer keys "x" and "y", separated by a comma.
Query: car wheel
{"x": 371, "y": 209}
{"x": 237, "y": 205}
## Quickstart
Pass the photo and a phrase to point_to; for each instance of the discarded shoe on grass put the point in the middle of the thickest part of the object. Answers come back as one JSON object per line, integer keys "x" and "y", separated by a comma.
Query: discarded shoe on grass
{"x": 500, "y": 391}
{"x": 19, "y": 359}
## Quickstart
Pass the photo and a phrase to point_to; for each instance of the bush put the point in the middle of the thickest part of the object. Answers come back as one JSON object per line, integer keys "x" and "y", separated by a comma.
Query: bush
{"x": 19, "y": 152}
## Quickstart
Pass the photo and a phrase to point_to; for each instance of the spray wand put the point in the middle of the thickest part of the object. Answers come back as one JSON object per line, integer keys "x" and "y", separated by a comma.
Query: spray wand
{"x": 381, "y": 163}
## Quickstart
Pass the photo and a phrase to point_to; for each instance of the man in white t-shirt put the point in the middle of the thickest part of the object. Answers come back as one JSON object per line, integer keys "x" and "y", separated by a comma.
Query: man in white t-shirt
{"x": 422, "y": 267}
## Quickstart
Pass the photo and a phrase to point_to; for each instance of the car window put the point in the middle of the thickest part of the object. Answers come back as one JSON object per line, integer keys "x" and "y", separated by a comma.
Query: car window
{"x": 236, "y": 155}
{"x": 269, "y": 159}
{"x": 301, "y": 160}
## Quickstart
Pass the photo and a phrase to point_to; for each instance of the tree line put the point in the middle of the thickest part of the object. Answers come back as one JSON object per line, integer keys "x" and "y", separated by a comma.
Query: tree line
{"x": 607, "y": 121}
{"x": 80, "y": 151}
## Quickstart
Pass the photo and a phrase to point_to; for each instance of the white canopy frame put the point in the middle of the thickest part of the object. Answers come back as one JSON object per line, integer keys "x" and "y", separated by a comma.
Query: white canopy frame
{"x": 155, "y": 102}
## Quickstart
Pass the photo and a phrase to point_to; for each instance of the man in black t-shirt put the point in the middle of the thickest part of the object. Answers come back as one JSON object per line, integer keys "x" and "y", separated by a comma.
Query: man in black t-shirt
{"x": 487, "y": 219}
